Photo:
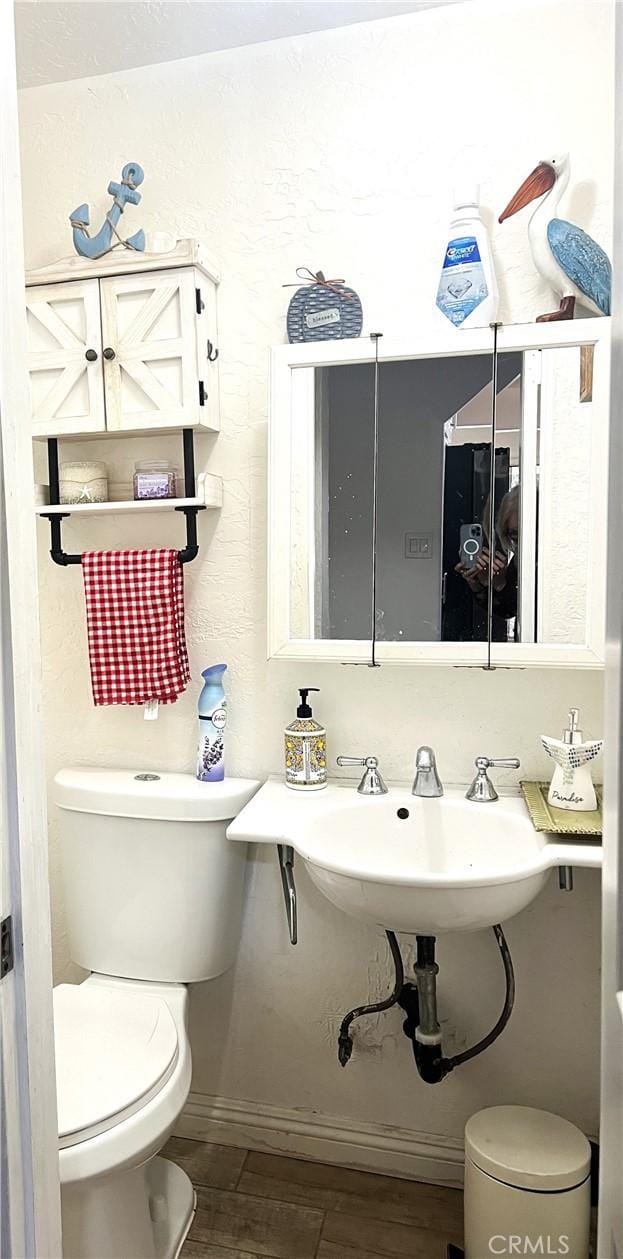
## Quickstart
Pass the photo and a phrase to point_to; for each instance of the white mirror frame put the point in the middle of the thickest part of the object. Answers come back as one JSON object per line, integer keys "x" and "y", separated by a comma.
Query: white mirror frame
{"x": 433, "y": 344}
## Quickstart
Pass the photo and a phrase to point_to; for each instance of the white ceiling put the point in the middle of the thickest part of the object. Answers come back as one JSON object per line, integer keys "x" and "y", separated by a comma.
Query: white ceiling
{"x": 71, "y": 39}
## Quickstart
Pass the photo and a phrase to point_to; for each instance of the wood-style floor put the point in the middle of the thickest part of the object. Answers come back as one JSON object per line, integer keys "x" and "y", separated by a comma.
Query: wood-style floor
{"x": 263, "y": 1206}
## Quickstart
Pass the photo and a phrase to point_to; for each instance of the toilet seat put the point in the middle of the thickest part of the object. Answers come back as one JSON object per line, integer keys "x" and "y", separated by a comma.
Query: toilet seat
{"x": 115, "y": 1052}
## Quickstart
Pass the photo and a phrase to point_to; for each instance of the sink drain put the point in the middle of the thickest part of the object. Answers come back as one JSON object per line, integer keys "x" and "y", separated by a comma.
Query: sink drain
{"x": 402, "y": 814}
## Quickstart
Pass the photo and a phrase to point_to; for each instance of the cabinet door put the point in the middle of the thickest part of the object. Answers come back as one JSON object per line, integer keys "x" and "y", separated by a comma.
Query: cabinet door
{"x": 149, "y": 349}
{"x": 65, "y": 358}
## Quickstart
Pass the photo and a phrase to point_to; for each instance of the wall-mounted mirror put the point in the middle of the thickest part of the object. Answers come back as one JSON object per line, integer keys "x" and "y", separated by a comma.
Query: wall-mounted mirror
{"x": 455, "y": 569}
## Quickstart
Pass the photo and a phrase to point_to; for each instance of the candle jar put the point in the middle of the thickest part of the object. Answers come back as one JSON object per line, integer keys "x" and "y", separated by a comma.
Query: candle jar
{"x": 84, "y": 481}
{"x": 155, "y": 478}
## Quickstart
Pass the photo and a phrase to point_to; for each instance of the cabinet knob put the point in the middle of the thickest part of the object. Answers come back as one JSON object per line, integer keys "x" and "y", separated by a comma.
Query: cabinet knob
{"x": 109, "y": 353}
{"x": 91, "y": 356}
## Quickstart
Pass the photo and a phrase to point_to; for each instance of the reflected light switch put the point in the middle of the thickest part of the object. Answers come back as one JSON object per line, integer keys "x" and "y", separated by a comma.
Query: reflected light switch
{"x": 418, "y": 546}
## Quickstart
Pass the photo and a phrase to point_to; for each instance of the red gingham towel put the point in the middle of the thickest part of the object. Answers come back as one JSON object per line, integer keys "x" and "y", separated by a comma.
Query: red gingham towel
{"x": 135, "y": 624}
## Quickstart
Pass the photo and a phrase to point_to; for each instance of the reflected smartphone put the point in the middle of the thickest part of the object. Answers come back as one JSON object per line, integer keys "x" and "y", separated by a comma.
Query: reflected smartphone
{"x": 470, "y": 544}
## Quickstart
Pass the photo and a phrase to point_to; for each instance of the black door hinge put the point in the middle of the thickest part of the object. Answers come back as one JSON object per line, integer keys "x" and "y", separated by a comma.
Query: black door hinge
{"x": 6, "y": 946}
{"x": 202, "y": 394}
{"x": 200, "y": 305}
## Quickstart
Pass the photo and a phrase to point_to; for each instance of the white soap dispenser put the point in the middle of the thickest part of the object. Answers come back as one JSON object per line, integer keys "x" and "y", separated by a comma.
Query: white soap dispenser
{"x": 572, "y": 786}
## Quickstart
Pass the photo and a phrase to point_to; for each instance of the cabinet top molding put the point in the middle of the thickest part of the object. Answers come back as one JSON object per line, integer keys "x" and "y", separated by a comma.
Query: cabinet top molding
{"x": 187, "y": 253}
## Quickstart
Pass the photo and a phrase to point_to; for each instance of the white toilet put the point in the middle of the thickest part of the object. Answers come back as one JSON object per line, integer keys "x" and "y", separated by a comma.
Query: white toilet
{"x": 153, "y": 893}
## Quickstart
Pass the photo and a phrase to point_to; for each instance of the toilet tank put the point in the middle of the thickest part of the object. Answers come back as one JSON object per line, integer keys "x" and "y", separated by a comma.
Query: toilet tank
{"x": 153, "y": 889}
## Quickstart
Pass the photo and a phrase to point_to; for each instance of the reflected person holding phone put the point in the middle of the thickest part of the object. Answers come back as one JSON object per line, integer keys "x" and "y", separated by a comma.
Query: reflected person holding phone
{"x": 474, "y": 562}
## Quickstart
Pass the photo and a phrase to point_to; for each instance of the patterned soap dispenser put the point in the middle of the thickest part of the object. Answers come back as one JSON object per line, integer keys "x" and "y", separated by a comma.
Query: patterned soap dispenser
{"x": 306, "y": 748}
{"x": 572, "y": 785}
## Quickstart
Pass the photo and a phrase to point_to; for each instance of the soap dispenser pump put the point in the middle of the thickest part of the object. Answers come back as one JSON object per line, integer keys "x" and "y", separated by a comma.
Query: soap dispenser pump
{"x": 571, "y": 786}
{"x": 305, "y": 748}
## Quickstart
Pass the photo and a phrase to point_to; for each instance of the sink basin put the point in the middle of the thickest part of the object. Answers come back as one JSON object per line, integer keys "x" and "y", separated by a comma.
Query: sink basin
{"x": 413, "y": 865}
{"x": 450, "y": 865}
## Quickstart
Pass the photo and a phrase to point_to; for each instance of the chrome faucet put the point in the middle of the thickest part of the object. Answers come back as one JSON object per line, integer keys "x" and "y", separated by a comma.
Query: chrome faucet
{"x": 372, "y": 784}
{"x": 426, "y": 782}
{"x": 482, "y": 789}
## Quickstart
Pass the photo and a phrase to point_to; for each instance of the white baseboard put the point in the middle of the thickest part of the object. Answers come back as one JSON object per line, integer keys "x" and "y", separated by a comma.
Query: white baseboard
{"x": 306, "y": 1134}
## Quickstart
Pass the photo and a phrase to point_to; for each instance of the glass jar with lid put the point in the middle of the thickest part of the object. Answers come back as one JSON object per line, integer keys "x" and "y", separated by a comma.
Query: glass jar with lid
{"x": 155, "y": 478}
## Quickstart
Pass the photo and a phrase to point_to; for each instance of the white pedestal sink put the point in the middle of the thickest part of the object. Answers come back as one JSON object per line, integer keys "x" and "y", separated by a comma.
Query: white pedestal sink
{"x": 409, "y": 864}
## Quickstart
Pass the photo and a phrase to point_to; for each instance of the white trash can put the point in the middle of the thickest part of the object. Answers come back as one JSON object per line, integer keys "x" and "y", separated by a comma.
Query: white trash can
{"x": 527, "y": 1185}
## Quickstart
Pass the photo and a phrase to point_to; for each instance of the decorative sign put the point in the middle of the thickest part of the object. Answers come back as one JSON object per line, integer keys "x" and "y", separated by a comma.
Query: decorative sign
{"x": 323, "y": 310}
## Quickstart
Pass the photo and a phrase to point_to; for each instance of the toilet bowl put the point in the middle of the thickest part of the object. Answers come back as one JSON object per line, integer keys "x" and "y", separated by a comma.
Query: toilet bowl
{"x": 134, "y": 869}
{"x": 123, "y": 1076}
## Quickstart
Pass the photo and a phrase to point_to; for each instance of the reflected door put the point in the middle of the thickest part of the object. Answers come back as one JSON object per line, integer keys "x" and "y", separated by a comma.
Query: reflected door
{"x": 331, "y": 496}
{"x": 433, "y": 490}
{"x": 467, "y": 471}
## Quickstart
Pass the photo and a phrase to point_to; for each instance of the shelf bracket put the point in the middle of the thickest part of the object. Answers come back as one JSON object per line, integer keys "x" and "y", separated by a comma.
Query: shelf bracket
{"x": 286, "y": 867}
{"x": 185, "y": 556}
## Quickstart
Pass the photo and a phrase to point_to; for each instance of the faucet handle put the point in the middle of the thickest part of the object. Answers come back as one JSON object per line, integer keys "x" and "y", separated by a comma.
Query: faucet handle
{"x": 482, "y": 789}
{"x": 372, "y": 784}
{"x": 500, "y": 762}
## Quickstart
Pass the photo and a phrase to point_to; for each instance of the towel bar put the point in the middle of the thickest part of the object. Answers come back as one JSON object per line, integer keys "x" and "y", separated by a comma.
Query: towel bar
{"x": 188, "y": 553}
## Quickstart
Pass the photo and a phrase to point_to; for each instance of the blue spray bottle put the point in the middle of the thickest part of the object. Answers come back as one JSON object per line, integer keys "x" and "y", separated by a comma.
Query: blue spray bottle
{"x": 212, "y": 709}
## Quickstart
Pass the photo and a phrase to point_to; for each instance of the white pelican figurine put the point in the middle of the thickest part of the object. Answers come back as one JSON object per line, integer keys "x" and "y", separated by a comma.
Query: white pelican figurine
{"x": 571, "y": 262}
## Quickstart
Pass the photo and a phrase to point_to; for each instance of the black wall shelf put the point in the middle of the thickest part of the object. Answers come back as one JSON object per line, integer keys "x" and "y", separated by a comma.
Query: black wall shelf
{"x": 185, "y": 556}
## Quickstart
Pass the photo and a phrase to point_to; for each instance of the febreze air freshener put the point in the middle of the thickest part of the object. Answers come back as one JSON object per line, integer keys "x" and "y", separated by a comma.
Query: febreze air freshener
{"x": 468, "y": 292}
{"x": 212, "y": 710}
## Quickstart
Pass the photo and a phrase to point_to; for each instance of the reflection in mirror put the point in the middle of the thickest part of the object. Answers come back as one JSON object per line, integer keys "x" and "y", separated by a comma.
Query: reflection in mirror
{"x": 466, "y": 511}
{"x": 561, "y": 486}
{"x": 541, "y": 502}
{"x": 433, "y": 482}
{"x": 433, "y": 487}
{"x": 434, "y": 500}
{"x": 332, "y": 457}
{"x": 434, "y": 503}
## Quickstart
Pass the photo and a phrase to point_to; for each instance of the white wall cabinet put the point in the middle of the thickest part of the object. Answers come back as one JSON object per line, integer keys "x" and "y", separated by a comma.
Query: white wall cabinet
{"x": 124, "y": 344}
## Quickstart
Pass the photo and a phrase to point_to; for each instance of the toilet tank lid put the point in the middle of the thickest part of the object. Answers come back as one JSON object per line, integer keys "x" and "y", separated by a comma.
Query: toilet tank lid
{"x": 150, "y": 794}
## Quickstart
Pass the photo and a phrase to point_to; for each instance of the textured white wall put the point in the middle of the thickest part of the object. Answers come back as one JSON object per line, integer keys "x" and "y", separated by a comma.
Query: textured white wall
{"x": 336, "y": 150}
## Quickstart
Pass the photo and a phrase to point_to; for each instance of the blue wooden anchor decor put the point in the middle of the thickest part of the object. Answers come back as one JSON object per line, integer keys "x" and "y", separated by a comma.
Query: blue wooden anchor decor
{"x": 123, "y": 194}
